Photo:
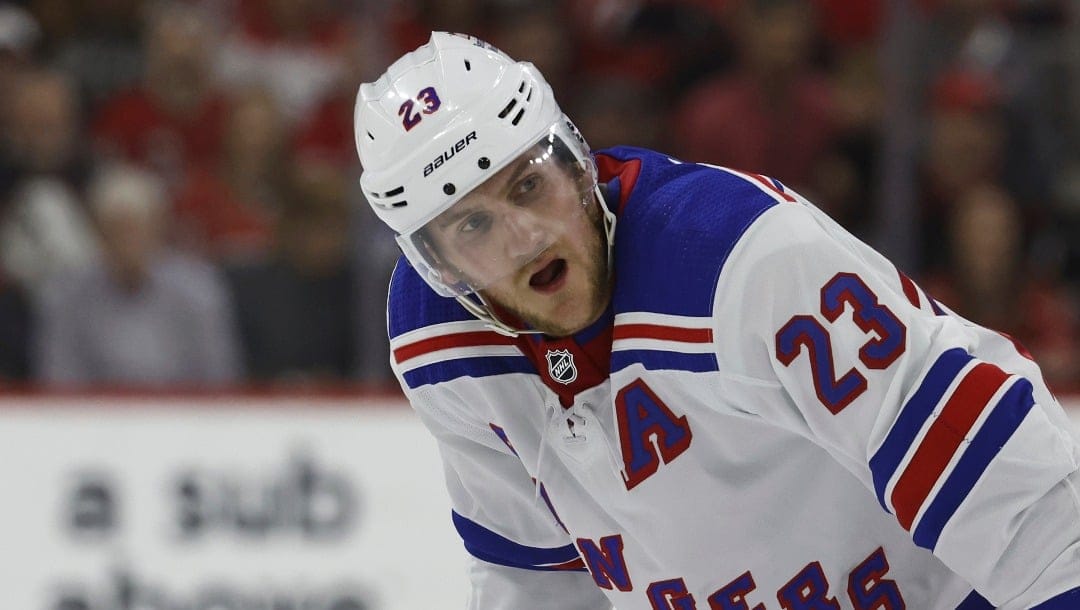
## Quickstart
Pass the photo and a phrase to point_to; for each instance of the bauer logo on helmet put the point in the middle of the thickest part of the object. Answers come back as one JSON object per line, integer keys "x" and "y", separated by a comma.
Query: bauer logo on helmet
{"x": 445, "y": 156}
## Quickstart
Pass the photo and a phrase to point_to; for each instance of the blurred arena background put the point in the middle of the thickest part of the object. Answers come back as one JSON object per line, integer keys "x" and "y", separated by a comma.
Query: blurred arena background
{"x": 196, "y": 410}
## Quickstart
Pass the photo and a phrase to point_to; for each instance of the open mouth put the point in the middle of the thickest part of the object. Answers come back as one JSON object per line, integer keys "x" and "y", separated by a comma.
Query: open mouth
{"x": 550, "y": 277}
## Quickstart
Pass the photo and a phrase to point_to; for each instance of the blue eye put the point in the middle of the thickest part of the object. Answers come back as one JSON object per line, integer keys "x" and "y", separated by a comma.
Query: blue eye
{"x": 474, "y": 222}
{"x": 528, "y": 186}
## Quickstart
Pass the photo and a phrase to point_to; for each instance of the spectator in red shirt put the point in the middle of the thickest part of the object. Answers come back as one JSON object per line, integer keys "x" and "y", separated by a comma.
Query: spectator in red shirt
{"x": 175, "y": 117}
{"x": 327, "y": 133}
{"x": 226, "y": 208}
{"x": 292, "y": 47}
{"x": 663, "y": 44}
{"x": 772, "y": 112}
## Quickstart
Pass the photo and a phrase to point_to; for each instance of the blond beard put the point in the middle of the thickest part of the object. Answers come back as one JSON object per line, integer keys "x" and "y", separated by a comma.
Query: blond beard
{"x": 600, "y": 286}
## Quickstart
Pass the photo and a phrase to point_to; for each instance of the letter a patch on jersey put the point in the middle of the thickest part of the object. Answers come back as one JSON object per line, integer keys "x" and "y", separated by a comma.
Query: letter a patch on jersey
{"x": 648, "y": 432}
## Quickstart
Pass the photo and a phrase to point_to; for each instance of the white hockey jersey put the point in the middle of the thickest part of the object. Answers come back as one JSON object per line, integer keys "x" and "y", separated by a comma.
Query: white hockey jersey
{"x": 769, "y": 416}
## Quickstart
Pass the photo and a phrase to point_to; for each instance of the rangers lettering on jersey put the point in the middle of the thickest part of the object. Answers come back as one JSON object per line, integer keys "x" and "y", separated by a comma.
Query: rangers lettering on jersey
{"x": 867, "y": 587}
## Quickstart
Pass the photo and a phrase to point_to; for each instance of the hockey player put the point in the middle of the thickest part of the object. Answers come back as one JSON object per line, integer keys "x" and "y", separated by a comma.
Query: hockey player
{"x": 657, "y": 384}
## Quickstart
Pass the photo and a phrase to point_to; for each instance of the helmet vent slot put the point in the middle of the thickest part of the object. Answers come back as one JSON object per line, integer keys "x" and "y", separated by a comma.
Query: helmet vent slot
{"x": 468, "y": 66}
{"x": 509, "y": 107}
{"x": 521, "y": 87}
{"x": 528, "y": 97}
{"x": 379, "y": 198}
{"x": 370, "y": 136}
{"x": 517, "y": 118}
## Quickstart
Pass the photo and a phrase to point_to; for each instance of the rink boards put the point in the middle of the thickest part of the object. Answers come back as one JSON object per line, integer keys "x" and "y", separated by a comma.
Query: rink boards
{"x": 228, "y": 503}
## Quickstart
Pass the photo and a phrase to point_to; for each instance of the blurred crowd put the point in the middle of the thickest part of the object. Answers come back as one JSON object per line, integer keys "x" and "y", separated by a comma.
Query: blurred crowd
{"x": 179, "y": 204}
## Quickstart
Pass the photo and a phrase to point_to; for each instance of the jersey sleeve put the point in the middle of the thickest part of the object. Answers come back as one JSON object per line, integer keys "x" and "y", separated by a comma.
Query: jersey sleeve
{"x": 947, "y": 424}
{"x": 521, "y": 556}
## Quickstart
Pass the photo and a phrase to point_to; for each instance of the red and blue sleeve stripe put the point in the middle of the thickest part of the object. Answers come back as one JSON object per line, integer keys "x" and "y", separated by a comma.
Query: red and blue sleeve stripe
{"x": 984, "y": 447}
{"x": 886, "y": 461}
{"x": 951, "y": 429}
{"x": 488, "y": 546}
{"x": 440, "y": 372}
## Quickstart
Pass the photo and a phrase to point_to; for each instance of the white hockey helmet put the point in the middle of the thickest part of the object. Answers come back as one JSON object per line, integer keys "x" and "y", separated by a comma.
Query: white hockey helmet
{"x": 442, "y": 120}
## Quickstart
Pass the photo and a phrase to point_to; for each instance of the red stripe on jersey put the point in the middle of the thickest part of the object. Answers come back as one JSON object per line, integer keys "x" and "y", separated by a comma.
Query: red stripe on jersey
{"x": 910, "y": 291}
{"x": 667, "y": 333}
{"x": 942, "y": 440}
{"x": 573, "y": 564}
{"x": 627, "y": 172}
{"x": 434, "y": 344}
{"x": 772, "y": 187}
{"x": 1020, "y": 348}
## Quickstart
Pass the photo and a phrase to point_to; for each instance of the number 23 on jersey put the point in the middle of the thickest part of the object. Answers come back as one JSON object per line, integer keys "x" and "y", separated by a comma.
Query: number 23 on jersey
{"x": 804, "y": 332}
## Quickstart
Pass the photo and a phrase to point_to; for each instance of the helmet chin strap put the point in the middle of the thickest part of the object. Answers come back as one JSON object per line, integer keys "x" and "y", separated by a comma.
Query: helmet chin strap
{"x": 609, "y": 226}
{"x": 485, "y": 312}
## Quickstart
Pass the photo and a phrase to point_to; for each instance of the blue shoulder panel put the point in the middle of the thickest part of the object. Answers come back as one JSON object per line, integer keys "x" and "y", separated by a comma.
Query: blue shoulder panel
{"x": 676, "y": 230}
{"x": 413, "y": 304}
{"x": 974, "y": 601}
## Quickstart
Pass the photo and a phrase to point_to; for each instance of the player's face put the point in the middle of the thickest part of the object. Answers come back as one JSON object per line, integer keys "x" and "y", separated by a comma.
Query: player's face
{"x": 529, "y": 229}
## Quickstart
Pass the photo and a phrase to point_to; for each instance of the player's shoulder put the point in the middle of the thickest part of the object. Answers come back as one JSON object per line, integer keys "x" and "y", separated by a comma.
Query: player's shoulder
{"x": 433, "y": 339}
{"x": 677, "y": 225}
{"x": 412, "y": 304}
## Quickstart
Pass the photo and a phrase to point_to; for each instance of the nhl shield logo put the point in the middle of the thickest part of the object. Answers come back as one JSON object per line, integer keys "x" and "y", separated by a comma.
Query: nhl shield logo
{"x": 561, "y": 366}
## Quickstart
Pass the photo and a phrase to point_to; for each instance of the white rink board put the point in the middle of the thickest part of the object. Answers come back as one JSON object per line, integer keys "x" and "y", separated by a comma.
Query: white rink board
{"x": 225, "y": 504}
{"x": 342, "y": 508}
